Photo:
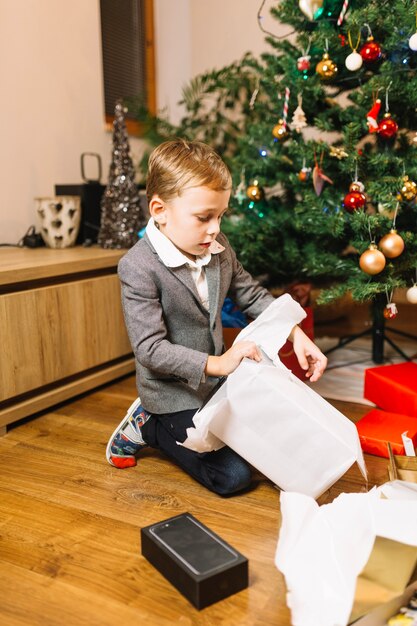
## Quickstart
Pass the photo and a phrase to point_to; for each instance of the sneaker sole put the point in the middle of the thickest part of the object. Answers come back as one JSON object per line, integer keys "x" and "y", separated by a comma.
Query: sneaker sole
{"x": 124, "y": 421}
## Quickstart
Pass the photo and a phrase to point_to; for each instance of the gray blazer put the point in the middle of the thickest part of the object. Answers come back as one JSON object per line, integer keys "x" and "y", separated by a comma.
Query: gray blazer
{"x": 170, "y": 330}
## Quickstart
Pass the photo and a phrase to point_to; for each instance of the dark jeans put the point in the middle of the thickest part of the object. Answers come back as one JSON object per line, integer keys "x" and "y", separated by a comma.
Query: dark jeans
{"x": 222, "y": 471}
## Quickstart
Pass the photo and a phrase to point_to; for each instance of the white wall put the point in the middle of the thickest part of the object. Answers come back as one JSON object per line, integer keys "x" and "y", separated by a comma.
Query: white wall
{"x": 52, "y": 97}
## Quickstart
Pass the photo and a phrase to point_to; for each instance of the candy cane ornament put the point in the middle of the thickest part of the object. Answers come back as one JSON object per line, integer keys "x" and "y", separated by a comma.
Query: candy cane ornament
{"x": 343, "y": 12}
{"x": 285, "y": 109}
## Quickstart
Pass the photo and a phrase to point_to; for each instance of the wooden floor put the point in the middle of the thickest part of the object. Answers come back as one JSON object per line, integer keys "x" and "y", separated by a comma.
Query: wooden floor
{"x": 69, "y": 525}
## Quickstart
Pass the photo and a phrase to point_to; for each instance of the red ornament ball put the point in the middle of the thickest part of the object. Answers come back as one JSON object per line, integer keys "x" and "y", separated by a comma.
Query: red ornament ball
{"x": 353, "y": 201}
{"x": 388, "y": 127}
{"x": 370, "y": 51}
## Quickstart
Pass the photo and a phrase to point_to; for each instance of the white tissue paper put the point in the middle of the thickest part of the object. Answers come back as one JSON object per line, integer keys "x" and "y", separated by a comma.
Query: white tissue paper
{"x": 323, "y": 549}
{"x": 275, "y": 421}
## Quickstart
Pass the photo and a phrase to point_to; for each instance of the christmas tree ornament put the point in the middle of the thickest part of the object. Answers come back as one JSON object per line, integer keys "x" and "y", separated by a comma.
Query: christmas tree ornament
{"x": 388, "y": 127}
{"x": 390, "y": 311}
{"x": 372, "y": 116}
{"x": 338, "y": 153}
{"x": 309, "y": 7}
{"x": 304, "y": 173}
{"x": 240, "y": 191}
{"x": 303, "y": 63}
{"x": 254, "y": 95}
{"x": 319, "y": 177}
{"x": 372, "y": 261}
{"x": 371, "y": 50}
{"x": 342, "y": 13}
{"x": 254, "y": 192}
{"x": 392, "y": 244}
{"x": 355, "y": 199}
{"x": 412, "y": 42}
{"x": 354, "y": 60}
{"x": 408, "y": 190}
{"x": 326, "y": 68}
{"x": 298, "y": 121}
{"x": 411, "y": 294}
{"x": 121, "y": 212}
{"x": 280, "y": 130}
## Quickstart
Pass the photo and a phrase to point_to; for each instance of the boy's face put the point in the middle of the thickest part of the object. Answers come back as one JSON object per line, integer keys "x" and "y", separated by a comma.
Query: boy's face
{"x": 191, "y": 221}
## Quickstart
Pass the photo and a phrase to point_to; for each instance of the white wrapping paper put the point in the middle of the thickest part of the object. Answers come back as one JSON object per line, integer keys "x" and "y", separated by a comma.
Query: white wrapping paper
{"x": 275, "y": 421}
{"x": 322, "y": 549}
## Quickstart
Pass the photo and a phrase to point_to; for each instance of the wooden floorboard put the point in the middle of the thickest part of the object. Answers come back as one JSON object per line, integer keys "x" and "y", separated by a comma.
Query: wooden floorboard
{"x": 70, "y": 525}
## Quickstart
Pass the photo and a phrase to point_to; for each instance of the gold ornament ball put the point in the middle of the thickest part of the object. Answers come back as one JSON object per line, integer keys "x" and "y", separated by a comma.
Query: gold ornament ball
{"x": 254, "y": 192}
{"x": 392, "y": 244}
{"x": 411, "y": 294}
{"x": 280, "y": 131}
{"x": 326, "y": 68}
{"x": 408, "y": 190}
{"x": 372, "y": 261}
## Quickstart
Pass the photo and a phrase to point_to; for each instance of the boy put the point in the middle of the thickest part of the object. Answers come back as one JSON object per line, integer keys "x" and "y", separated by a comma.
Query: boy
{"x": 174, "y": 283}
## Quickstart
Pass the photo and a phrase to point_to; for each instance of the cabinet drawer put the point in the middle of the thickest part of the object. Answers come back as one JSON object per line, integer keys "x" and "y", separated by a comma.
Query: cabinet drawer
{"x": 53, "y": 332}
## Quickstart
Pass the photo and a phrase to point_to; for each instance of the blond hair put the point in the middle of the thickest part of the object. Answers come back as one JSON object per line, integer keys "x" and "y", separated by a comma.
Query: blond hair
{"x": 178, "y": 164}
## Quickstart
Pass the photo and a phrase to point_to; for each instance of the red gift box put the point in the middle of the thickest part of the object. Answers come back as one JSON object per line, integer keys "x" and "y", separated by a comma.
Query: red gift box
{"x": 377, "y": 428}
{"x": 286, "y": 354}
{"x": 393, "y": 387}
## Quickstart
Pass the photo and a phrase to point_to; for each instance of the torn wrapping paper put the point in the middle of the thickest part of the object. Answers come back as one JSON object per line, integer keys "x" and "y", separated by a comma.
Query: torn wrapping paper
{"x": 339, "y": 559}
{"x": 275, "y": 421}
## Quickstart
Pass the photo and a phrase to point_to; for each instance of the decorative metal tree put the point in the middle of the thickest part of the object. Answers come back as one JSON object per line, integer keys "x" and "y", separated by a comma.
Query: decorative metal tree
{"x": 121, "y": 213}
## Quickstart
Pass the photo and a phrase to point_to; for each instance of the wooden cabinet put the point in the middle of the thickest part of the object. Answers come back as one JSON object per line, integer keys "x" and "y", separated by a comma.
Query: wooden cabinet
{"x": 62, "y": 330}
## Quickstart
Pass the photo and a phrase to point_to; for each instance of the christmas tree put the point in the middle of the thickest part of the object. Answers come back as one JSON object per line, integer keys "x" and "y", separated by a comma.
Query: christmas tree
{"x": 320, "y": 135}
{"x": 121, "y": 213}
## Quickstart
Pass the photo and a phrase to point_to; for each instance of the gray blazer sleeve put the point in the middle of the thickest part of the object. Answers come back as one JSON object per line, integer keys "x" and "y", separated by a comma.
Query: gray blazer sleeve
{"x": 147, "y": 329}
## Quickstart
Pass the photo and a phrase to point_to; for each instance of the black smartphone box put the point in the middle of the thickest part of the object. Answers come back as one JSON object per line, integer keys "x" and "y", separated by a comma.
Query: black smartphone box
{"x": 202, "y": 566}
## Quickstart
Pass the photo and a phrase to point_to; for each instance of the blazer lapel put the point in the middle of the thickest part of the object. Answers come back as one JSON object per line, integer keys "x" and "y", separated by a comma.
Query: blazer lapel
{"x": 184, "y": 275}
{"x": 213, "y": 282}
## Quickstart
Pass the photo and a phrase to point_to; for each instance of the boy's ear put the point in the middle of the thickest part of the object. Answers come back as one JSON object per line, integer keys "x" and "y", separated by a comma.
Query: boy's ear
{"x": 157, "y": 210}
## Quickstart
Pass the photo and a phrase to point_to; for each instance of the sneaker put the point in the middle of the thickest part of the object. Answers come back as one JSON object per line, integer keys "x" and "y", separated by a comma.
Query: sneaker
{"x": 127, "y": 440}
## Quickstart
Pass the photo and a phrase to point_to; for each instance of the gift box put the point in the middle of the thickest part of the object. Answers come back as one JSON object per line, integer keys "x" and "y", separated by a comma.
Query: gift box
{"x": 273, "y": 420}
{"x": 402, "y": 467}
{"x": 199, "y": 563}
{"x": 377, "y": 428}
{"x": 343, "y": 561}
{"x": 393, "y": 387}
{"x": 286, "y": 353}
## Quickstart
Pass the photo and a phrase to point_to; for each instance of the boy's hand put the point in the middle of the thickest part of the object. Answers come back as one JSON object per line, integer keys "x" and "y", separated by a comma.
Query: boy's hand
{"x": 228, "y": 362}
{"x": 308, "y": 354}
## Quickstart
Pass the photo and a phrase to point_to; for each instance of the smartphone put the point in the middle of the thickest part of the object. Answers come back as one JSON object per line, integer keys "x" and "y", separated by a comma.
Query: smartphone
{"x": 194, "y": 544}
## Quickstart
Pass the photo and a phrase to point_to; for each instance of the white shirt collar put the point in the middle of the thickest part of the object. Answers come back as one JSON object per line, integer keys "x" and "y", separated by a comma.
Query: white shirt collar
{"x": 170, "y": 255}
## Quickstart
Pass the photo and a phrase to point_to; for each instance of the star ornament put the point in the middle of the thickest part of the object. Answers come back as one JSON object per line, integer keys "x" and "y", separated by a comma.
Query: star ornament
{"x": 338, "y": 153}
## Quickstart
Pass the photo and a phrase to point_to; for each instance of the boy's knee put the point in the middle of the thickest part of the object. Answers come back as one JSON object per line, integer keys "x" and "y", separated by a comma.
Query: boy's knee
{"x": 238, "y": 478}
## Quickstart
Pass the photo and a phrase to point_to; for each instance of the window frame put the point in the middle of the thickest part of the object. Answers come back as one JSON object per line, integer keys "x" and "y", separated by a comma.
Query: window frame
{"x": 134, "y": 127}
